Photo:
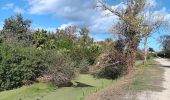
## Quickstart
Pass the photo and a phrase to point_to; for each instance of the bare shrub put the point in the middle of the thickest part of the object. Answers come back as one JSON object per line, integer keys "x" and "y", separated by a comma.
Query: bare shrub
{"x": 61, "y": 68}
{"x": 111, "y": 66}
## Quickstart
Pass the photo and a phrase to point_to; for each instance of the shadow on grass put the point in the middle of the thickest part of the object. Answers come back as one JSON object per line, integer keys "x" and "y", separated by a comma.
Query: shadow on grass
{"x": 82, "y": 85}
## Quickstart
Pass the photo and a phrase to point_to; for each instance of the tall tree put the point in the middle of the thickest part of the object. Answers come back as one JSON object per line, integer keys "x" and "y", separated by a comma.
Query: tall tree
{"x": 166, "y": 42}
{"x": 16, "y": 28}
{"x": 152, "y": 24}
{"x": 129, "y": 27}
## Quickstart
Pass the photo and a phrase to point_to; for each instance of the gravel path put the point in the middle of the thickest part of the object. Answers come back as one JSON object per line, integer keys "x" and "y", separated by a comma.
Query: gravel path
{"x": 165, "y": 94}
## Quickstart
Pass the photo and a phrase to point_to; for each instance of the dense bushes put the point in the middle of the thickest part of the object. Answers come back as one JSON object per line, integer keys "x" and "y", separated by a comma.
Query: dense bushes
{"x": 52, "y": 56}
{"x": 21, "y": 65}
{"x": 164, "y": 54}
{"x": 167, "y": 54}
{"x": 85, "y": 56}
{"x": 18, "y": 66}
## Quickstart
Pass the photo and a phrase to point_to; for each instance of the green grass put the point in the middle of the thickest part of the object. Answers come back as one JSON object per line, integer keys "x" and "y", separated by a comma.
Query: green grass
{"x": 42, "y": 91}
{"x": 26, "y": 92}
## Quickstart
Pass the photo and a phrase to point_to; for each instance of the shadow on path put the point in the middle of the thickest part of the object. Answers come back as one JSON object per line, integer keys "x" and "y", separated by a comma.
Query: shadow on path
{"x": 166, "y": 66}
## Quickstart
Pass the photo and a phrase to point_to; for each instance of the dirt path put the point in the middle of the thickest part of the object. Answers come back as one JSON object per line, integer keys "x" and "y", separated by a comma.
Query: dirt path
{"x": 152, "y": 83}
{"x": 165, "y": 94}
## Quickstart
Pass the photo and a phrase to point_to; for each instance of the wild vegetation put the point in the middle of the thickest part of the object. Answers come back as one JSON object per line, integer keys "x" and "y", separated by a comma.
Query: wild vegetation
{"x": 27, "y": 55}
{"x": 58, "y": 59}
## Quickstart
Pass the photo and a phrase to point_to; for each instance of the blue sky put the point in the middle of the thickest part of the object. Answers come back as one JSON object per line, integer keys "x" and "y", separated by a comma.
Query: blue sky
{"x": 52, "y": 14}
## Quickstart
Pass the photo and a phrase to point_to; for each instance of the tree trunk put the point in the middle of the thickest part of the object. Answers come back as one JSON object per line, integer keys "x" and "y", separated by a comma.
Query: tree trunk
{"x": 131, "y": 56}
{"x": 145, "y": 50}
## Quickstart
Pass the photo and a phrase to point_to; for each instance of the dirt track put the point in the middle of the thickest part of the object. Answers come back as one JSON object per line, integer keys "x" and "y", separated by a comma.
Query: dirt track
{"x": 165, "y": 94}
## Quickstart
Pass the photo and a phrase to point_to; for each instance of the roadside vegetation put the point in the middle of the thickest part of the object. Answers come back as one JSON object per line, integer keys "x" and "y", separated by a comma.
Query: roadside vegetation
{"x": 68, "y": 64}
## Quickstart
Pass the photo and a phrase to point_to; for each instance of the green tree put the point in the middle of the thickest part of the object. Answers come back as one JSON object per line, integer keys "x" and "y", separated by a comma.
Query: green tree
{"x": 16, "y": 28}
{"x": 40, "y": 39}
{"x": 84, "y": 39}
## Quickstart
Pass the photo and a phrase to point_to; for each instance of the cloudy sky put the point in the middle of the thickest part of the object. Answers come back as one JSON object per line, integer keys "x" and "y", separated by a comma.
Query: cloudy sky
{"x": 52, "y": 14}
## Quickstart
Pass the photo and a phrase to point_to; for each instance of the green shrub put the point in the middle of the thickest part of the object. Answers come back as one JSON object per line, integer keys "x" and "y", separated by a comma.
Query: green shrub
{"x": 18, "y": 66}
{"x": 150, "y": 55}
{"x": 64, "y": 43}
{"x": 85, "y": 56}
{"x": 164, "y": 54}
{"x": 93, "y": 51}
{"x": 161, "y": 54}
{"x": 89, "y": 53}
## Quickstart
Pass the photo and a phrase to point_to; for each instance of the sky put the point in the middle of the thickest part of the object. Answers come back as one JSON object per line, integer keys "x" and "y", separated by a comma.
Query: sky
{"x": 53, "y": 14}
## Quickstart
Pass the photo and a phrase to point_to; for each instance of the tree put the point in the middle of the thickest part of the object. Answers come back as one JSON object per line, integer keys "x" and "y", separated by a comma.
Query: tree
{"x": 84, "y": 39}
{"x": 16, "y": 28}
{"x": 129, "y": 27}
{"x": 152, "y": 24}
{"x": 69, "y": 32}
{"x": 166, "y": 42}
{"x": 151, "y": 50}
{"x": 40, "y": 38}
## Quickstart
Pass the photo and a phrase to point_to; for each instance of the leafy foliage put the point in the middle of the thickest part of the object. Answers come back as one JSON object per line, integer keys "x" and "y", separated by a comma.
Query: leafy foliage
{"x": 58, "y": 55}
{"x": 16, "y": 29}
{"x": 90, "y": 53}
{"x": 19, "y": 66}
{"x": 40, "y": 39}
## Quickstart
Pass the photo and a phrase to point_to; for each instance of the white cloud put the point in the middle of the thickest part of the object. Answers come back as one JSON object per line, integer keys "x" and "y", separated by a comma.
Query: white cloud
{"x": 8, "y": 6}
{"x": 63, "y": 26}
{"x": 19, "y": 10}
{"x": 81, "y": 13}
{"x": 51, "y": 29}
{"x": 1, "y": 25}
{"x": 151, "y": 3}
{"x": 164, "y": 13}
{"x": 12, "y": 6}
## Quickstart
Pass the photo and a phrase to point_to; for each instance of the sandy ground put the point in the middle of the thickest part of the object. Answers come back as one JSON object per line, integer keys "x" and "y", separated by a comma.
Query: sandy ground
{"x": 165, "y": 94}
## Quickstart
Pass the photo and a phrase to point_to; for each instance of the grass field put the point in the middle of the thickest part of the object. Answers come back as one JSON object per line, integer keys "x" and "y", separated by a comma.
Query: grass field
{"x": 43, "y": 91}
